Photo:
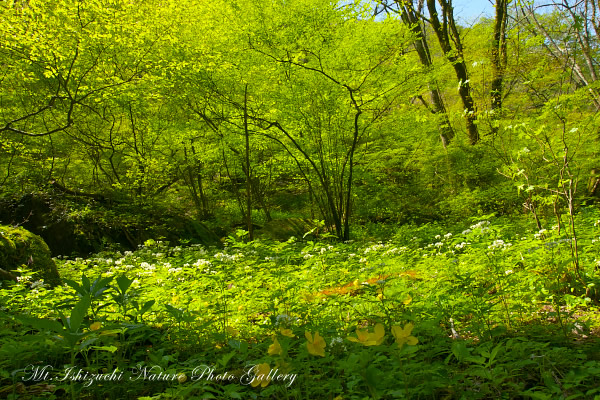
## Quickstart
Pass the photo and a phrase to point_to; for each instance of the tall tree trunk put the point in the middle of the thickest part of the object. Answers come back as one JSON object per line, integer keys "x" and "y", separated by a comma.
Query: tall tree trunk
{"x": 447, "y": 33}
{"x": 499, "y": 58}
{"x": 248, "y": 172}
{"x": 410, "y": 18}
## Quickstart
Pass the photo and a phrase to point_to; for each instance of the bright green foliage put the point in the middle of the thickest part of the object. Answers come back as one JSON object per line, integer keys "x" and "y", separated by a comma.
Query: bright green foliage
{"x": 143, "y": 121}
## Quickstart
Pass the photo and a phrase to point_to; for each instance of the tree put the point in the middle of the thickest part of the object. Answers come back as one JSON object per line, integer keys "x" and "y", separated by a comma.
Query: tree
{"x": 336, "y": 80}
{"x": 411, "y": 18}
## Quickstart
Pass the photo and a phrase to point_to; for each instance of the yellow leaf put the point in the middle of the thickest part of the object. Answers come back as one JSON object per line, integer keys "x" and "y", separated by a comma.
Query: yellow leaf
{"x": 407, "y": 301}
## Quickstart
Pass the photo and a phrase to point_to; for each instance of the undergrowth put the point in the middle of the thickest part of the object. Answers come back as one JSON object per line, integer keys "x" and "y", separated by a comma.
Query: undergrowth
{"x": 487, "y": 312}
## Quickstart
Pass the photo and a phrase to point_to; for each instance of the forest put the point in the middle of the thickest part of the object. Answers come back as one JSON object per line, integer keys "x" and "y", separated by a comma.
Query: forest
{"x": 299, "y": 199}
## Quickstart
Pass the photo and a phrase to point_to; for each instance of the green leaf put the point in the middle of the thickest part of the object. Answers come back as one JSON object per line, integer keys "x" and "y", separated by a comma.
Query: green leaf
{"x": 87, "y": 342}
{"x": 41, "y": 324}
{"x": 75, "y": 286}
{"x": 99, "y": 286}
{"x": 85, "y": 283}
{"x": 110, "y": 349}
{"x": 78, "y": 313}
{"x": 147, "y": 305}
{"x": 372, "y": 376}
{"x": 124, "y": 283}
{"x": 460, "y": 351}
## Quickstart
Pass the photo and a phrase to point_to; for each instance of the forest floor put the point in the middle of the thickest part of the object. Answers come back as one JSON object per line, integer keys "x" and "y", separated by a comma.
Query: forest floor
{"x": 492, "y": 311}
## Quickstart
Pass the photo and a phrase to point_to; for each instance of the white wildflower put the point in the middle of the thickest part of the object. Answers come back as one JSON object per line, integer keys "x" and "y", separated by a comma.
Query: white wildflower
{"x": 38, "y": 284}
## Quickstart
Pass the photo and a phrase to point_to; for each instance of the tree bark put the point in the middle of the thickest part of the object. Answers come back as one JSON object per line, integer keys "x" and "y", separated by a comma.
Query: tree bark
{"x": 248, "y": 172}
{"x": 410, "y": 18}
{"x": 447, "y": 33}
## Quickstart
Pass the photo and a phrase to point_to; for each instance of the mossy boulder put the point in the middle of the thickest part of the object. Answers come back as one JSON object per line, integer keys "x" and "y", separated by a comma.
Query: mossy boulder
{"x": 20, "y": 247}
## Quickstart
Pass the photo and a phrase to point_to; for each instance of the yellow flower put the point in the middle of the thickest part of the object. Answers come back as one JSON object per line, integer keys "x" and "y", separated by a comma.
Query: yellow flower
{"x": 95, "y": 326}
{"x": 407, "y": 300}
{"x": 403, "y": 336}
{"x": 275, "y": 348}
{"x": 316, "y": 345}
{"x": 369, "y": 339}
{"x": 261, "y": 375}
{"x": 286, "y": 332}
{"x": 182, "y": 378}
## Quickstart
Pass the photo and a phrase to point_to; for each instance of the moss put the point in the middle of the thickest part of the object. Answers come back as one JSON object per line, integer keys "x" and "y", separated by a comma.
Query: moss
{"x": 20, "y": 247}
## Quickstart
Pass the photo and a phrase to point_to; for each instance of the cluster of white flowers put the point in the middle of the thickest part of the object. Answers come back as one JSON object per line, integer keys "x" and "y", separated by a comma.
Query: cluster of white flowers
{"x": 461, "y": 245}
{"x": 175, "y": 270}
{"x": 447, "y": 235}
{"x": 499, "y": 244}
{"x": 375, "y": 247}
{"x": 483, "y": 225}
{"x": 328, "y": 248}
{"x": 148, "y": 267}
{"x": 228, "y": 258}
{"x": 395, "y": 250}
{"x": 209, "y": 271}
{"x": 438, "y": 244}
{"x": 202, "y": 263}
{"x": 38, "y": 284}
{"x": 539, "y": 234}
{"x": 306, "y": 255}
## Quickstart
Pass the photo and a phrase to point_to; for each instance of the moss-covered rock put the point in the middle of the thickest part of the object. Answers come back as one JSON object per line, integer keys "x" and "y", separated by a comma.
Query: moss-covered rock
{"x": 20, "y": 247}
